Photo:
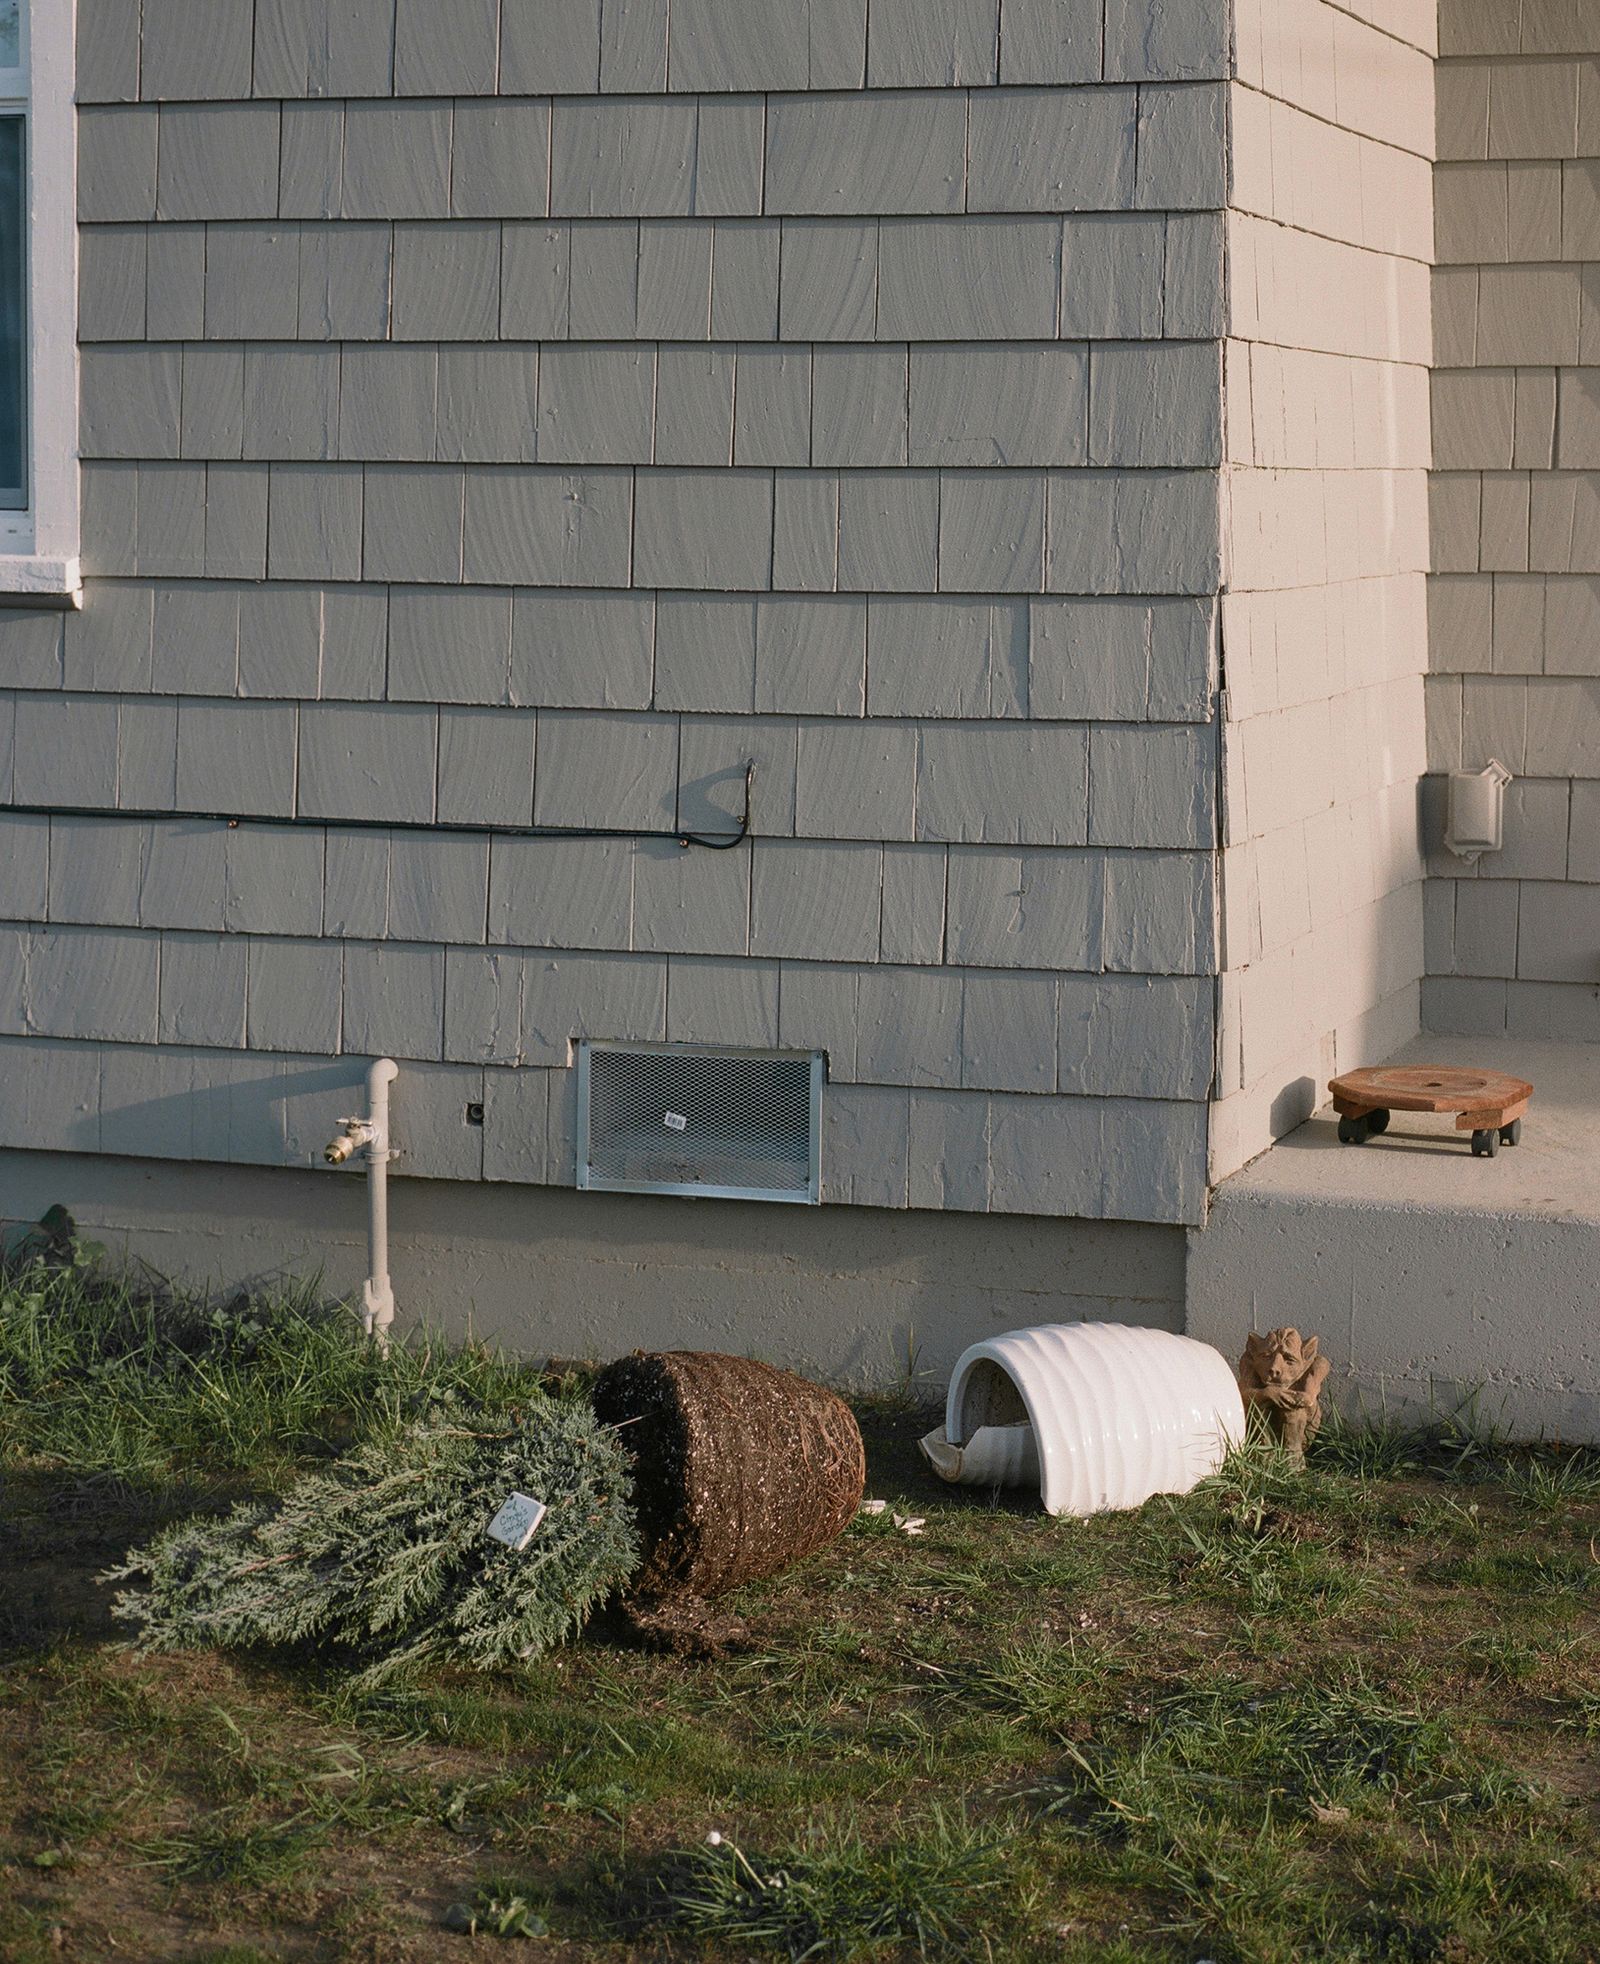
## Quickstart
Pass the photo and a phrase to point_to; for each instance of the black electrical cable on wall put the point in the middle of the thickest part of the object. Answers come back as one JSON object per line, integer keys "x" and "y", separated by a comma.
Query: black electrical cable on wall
{"x": 708, "y": 841}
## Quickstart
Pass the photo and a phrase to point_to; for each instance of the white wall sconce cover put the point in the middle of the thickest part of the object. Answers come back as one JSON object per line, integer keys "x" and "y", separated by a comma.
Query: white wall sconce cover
{"x": 1475, "y": 814}
{"x": 1118, "y": 1413}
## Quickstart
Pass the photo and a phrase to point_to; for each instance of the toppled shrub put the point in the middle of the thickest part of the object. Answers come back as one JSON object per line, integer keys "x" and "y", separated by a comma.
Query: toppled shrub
{"x": 386, "y": 1554}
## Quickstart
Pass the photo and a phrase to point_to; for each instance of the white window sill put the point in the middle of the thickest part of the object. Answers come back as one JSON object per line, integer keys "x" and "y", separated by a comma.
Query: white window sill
{"x": 30, "y": 579}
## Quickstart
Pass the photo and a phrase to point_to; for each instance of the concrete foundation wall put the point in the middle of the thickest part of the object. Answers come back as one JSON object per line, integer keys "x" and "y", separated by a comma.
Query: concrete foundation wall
{"x": 1514, "y": 941}
{"x": 1324, "y": 627}
{"x": 865, "y": 1296}
{"x": 1415, "y": 1307}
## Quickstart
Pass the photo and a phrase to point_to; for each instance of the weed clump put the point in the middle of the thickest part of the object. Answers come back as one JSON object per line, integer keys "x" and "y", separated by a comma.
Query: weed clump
{"x": 928, "y": 1892}
{"x": 107, "y": 1376}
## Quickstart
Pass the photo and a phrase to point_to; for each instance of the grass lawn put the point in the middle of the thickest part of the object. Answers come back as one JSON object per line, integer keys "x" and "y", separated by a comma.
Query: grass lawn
{"x": 1347, "y": 1714}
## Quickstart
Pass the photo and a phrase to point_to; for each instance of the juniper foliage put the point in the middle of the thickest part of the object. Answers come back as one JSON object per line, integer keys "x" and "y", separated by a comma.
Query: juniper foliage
{"x": 385, "y": 1554}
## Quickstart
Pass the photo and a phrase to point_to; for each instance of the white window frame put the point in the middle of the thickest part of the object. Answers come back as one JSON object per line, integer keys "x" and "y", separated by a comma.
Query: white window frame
{"x": 39, "y": 546}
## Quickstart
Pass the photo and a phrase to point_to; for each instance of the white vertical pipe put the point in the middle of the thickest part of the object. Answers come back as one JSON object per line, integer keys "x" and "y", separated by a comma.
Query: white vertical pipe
{"x": 377, "y": 1295}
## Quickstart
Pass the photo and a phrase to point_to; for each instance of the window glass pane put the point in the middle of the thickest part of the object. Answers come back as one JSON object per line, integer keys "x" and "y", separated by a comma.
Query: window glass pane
{"x": 10, "y": 34}
{"x": 13, "y": 315}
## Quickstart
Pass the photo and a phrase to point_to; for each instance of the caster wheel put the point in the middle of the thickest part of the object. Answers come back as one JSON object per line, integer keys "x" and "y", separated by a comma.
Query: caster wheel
{"x": 1485, "y": 1144}
{"x": 1511, "y": 1135}
{"x": 1377, "y": 1123}
{"x": 1354, "y": 1131}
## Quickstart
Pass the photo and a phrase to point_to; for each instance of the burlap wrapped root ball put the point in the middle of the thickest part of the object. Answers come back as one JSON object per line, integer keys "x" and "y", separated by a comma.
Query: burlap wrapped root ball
{"x": 739, "y": 1471}
{"x": 385, "y": 1557}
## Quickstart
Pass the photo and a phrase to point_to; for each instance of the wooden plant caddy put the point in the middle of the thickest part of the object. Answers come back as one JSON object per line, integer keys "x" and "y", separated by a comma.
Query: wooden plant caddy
{"x": 1488, "y": 1104}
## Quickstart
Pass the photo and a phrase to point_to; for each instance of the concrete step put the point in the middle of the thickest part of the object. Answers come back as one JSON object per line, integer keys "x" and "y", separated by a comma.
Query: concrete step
{"x": 1439, "y": 1283}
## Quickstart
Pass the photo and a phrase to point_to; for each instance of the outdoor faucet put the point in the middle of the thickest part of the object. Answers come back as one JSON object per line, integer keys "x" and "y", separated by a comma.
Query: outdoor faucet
{"x": 354, "y": 1133}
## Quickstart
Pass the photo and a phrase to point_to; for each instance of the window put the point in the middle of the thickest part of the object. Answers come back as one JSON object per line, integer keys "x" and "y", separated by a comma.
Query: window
{"x": 13, "y": 298}
{"x": 38, "y": 284}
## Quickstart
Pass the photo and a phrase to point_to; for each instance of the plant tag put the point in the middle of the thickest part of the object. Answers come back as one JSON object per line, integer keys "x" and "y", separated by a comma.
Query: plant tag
{"x": 517, "y": 1522}
{"x": 676, "y": 1122}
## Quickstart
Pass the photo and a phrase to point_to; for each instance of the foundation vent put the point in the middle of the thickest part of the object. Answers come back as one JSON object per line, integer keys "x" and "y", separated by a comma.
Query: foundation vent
{"x": 685, "y": 1119}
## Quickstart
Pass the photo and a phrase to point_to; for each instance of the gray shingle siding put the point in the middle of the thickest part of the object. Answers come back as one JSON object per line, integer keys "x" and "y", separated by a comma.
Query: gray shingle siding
{"x": 532, "y": 422}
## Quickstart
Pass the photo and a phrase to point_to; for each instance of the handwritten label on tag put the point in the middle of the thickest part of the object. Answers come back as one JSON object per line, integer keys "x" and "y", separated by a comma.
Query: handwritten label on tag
{"x": 517, "y": 1521}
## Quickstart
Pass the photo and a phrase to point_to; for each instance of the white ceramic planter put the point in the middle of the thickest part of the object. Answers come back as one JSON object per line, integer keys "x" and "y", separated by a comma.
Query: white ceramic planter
{"x": 1117, "y": 1414}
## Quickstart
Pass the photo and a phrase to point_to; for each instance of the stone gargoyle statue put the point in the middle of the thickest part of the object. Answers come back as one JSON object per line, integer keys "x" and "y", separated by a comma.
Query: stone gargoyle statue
{"x": 1281, "y": 1375}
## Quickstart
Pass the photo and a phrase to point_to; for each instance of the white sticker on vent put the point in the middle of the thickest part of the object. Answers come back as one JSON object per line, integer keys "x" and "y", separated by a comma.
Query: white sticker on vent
{"x": 676, "y": 1122}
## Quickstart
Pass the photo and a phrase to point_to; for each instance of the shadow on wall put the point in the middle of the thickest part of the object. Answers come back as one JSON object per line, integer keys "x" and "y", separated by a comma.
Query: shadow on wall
{"x": 232, "y": 1109}
{"x": 1300, "y": 1098}
{"x": 1294, "y": 1104}
{"x": 1432, "y": 797}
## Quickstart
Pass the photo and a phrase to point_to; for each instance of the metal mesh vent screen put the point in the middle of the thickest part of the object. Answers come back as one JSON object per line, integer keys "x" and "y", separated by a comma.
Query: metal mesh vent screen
{"x": 728, "y": 1124}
